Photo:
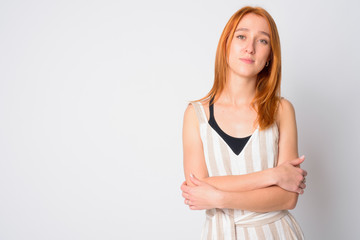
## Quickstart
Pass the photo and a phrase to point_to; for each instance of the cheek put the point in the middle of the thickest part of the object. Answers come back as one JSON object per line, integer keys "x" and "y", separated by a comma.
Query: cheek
{"x": 263, "y": 57}
{"x": 236, "y": 48}
{"x": 235, "y": 51}
{"x": 267, "y": 54}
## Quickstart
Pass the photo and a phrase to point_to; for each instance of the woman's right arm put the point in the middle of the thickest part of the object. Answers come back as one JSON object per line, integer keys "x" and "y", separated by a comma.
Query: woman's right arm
{"x": 193, "y": 155}
{"x": 284, "y": 175}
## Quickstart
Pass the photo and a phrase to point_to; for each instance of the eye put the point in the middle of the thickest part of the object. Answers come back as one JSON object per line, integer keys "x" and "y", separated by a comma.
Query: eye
{"x": 240, "y": 37}
{"x": 263, "y": 41}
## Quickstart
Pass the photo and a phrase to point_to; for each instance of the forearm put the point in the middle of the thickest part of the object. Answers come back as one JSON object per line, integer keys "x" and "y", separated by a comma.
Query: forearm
{"x": 266, "y": 199}
{"x": 246, "y": 182}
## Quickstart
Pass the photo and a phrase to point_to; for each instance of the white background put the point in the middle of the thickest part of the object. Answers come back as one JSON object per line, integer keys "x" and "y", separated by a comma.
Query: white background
{"x": 92, "y": 96}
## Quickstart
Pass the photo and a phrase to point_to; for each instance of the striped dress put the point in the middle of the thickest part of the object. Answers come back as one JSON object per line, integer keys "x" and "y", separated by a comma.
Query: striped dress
{"x": 259, "y": 153}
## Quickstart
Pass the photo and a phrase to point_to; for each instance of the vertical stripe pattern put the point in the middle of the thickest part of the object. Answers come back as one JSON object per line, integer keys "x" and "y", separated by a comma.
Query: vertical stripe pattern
{"x": 259, "y": 153}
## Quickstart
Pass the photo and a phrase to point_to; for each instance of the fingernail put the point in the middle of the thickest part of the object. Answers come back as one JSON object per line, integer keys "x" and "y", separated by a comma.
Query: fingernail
{"x": 191, "y": 175}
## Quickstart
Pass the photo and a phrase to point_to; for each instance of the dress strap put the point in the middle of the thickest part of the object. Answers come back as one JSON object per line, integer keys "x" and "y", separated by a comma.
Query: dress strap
{"x": 200, "y": 113}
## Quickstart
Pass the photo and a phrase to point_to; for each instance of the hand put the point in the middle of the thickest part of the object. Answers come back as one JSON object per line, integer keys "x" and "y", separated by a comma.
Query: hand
{"x": 201, "y": 196}
{"x": 290, "y": 176}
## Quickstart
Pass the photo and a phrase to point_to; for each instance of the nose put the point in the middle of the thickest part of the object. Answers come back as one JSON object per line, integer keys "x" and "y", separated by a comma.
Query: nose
{"x": 250, "y": 47}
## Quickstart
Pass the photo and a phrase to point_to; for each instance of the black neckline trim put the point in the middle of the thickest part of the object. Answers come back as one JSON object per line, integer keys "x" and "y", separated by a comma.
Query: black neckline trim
{"x": 236, "y": 144}
{"x": 213, "y": 122}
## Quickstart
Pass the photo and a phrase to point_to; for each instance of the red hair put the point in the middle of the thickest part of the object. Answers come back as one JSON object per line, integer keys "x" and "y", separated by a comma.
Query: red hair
{"x": 267, "y": 94}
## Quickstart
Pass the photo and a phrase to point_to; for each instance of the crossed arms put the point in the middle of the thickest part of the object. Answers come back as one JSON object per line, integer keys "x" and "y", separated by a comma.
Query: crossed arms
{"x": 268, "y": 190}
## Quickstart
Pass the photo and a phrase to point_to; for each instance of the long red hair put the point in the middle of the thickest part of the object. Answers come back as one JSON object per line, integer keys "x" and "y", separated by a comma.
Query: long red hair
{"x": 267, "y": 95}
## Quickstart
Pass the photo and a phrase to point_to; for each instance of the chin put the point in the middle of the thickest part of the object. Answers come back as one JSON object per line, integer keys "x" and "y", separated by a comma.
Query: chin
{"x": 245, "y": 74}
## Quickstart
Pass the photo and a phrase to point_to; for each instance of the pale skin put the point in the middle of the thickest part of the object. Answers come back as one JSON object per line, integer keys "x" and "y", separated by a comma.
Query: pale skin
{"x": 269, "y": 190}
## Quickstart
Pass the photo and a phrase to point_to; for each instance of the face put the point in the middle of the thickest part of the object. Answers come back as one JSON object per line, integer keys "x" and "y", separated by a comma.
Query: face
{"x": 250, "y": 47}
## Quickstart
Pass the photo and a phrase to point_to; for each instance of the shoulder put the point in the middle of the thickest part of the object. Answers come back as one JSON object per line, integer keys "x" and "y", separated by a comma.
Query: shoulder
{"x": 191, "y": 125}
{"x": 190, "y": 112}
{"x": 194, "y": 110}
{"x": 190, "y": 115}
{"x": 285, "y": 107}
{"x": 286, "y": 112}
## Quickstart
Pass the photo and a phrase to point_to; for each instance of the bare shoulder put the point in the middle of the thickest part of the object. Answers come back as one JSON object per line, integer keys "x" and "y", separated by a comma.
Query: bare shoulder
{"x": 190, "y": 117}
{"x": 286, "y": 106}
{"x": 286, "y": 112}
{"x": 190, "y": 112}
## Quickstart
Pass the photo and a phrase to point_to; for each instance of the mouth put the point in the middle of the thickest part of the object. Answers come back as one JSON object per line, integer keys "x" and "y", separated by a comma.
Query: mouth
{"x": 247, "y": 60}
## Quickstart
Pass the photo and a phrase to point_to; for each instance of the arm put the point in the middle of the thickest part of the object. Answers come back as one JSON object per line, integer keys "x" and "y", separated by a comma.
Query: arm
{"x": 193, "y": 156}
{"x": 194, "y": 162}
{"x": 271, "y": 198}
{"x": 285, "y": 175}
{"x": 260, "y": 200}
{"x": 205, "y": 196}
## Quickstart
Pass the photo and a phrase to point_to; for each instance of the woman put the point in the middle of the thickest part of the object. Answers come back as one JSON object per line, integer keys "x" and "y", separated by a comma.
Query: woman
{"x": 240, "y": 141}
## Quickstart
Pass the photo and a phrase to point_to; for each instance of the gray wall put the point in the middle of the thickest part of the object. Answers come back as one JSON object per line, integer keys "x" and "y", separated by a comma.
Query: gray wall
{"x": 92, "y": 95}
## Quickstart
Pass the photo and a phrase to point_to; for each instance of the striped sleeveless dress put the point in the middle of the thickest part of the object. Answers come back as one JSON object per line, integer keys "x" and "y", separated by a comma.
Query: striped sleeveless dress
{"x": 259, "y": 153}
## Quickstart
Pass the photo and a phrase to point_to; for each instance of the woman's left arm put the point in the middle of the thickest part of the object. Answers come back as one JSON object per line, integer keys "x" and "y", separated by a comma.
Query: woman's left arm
{"x": 271, "y": 198}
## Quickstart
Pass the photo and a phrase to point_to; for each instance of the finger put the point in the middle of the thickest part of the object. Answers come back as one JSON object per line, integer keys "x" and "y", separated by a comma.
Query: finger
{"x": 185, "y": 195}
{"x": 302, "y": 185}
{"x": 195, "y": 208}
{"x": 188, "y": 202}
{"x": 184, "y": 183}
{"x": 302, "y": 172}
{"x": 185, "y": 188}
{"x": 300, "y": 191}
{"x": 194, "y": 180}
{"x": 298, "y": 161}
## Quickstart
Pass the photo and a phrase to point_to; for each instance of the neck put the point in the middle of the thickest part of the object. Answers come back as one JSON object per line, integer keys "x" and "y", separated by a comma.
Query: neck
{"x": 238, "y": 90}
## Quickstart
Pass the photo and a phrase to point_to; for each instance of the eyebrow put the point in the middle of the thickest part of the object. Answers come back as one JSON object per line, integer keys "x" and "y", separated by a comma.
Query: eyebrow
{"x": 245, "y": 29}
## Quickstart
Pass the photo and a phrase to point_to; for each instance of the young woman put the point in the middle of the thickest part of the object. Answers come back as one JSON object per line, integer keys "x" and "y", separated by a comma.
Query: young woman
{"x": 240, "y": 141}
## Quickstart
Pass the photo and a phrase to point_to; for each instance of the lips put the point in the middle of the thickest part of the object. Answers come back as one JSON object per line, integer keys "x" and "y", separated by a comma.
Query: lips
{"x": 247, "y": 60}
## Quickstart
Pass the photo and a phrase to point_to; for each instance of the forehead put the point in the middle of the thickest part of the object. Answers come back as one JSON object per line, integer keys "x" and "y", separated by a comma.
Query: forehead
{"x": 254, "y": 22}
